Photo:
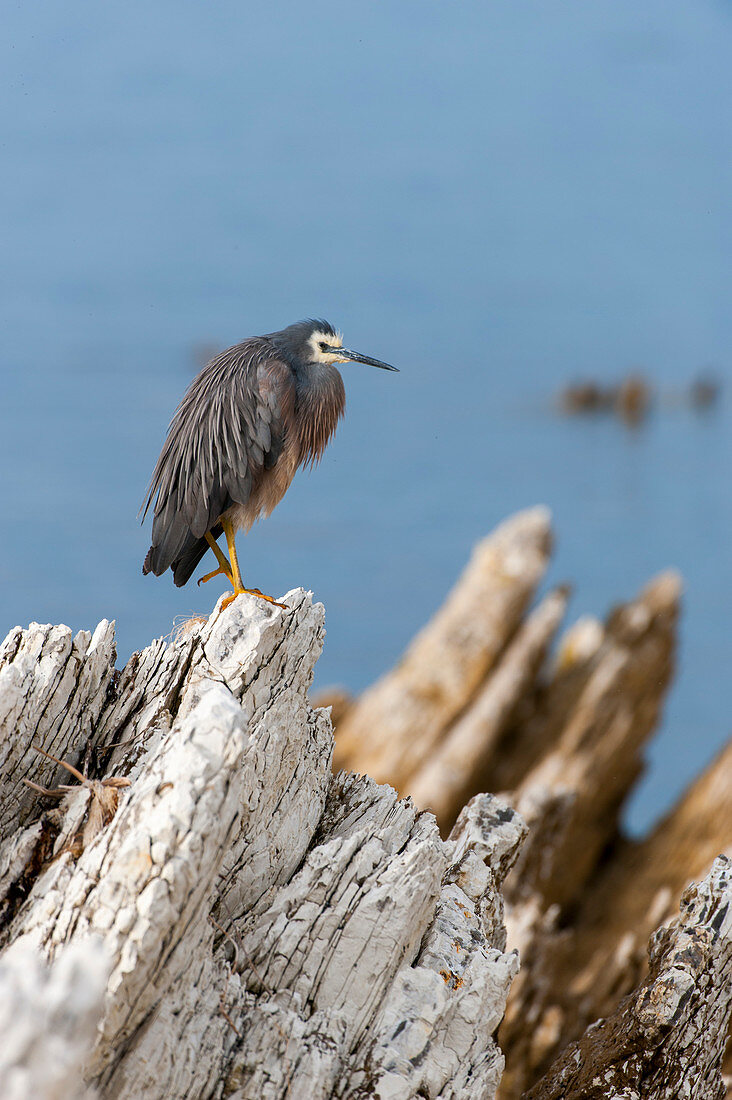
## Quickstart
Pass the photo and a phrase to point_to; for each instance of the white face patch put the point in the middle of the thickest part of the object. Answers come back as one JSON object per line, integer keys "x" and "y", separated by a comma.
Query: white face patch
{"x": 320, "y": 356}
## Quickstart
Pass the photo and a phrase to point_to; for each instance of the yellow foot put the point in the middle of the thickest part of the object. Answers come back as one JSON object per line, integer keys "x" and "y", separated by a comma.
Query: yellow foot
{"x": 220, "y": 572}
{"x": 251, "y": 592}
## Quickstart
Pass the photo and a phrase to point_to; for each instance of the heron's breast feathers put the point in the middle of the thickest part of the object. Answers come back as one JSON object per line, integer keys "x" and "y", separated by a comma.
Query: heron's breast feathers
{"x": 321, "y": 402}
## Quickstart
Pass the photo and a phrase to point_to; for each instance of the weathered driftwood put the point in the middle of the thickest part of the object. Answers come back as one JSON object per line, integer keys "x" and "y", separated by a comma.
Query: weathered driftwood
{"x": 447, "y": 661}
{"x": 48, "y": 1020}
{"x": 578, "y": 968}
{"x": 638, "y": 888}
{"x": 53, "y": 686}
{"x": 666, "y": 1040}
{"x": 573, "y": 795}
{"x": 579, "y": 974}
{"x": 245, "y": 925}
{"x": 461, "y": 762}
{"x": 238, "y": 922}
{"x": 566, "y": 738}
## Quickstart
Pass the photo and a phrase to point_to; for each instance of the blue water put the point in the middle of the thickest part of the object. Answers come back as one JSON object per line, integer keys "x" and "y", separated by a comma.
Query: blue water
{"x": 495, "y": 197}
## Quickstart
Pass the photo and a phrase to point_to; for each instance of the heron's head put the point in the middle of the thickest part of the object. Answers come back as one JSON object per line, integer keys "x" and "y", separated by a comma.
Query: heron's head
{"x": 319, "y": 342}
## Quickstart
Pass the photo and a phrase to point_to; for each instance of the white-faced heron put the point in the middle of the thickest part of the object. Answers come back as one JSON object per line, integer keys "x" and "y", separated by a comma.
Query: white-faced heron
{"x": 253, "y": 415}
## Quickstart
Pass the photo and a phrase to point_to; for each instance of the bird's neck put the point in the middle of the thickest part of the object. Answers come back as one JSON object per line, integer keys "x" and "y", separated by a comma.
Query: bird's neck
{"x": 321, "y": 402}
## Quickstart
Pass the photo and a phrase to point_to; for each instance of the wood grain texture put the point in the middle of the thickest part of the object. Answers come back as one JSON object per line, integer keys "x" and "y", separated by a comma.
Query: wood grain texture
{"x": 250, "y": 924}
{"x": 241, "y": 922}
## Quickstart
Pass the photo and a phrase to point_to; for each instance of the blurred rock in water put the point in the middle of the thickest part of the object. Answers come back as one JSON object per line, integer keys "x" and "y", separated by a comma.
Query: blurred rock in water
{"x": 633, "y": 398}
{"x": 705, "y": 391}
{"x": 583, "y": 397}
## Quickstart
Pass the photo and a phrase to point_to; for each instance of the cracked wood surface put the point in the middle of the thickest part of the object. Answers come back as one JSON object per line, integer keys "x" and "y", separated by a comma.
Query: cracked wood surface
{"x": 255, "y": 926}
{"x": 615, "y": 677}
{"x": 566, "y": 737}
{"x": 263, "y": 928}
{"x": 460, "y": 762}
{"x": 666, "y": 1040}
{"x": 572, "y": 796}
{"x": 48, "y": 1019}
{"x": 449, "y": 658}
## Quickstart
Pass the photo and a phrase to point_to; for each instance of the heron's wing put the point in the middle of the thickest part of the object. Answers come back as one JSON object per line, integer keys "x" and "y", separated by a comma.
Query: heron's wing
{"x": 228, "y": 429}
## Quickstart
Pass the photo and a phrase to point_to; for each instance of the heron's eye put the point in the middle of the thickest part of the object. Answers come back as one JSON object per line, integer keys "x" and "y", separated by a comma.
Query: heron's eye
{"x": 323, "y": 345}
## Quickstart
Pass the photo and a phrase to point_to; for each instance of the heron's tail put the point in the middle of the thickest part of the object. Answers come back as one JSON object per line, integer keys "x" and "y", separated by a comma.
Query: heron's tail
{"x": 186, "y": 561}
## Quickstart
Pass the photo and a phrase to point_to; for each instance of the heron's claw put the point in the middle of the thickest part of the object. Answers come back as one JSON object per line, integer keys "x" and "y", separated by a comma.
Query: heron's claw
{"x": 235, "y": 576}
{"x": 220, "y": 572}
{"x": 250, "y": 592}
{"x": 256, "y": 592}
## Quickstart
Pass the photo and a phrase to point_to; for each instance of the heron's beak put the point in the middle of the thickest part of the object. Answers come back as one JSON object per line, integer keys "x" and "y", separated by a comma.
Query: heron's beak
{"x": 356, "y": 357}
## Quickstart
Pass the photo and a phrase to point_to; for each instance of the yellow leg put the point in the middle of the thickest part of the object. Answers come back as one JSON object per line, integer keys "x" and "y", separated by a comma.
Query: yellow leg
{"x": 224, "y": 568}
{"x": 236, "y": 580}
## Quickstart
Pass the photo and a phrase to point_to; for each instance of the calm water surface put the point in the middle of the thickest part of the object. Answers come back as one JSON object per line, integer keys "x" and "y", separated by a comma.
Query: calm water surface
{"x": 496, "y": 198}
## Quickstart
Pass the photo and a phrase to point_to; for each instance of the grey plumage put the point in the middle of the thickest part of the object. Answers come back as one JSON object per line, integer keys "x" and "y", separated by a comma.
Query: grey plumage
{"x": 250, "y": 418}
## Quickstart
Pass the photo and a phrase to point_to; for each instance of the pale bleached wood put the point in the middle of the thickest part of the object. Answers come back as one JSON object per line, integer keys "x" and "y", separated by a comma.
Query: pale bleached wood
{"x": 603, "y": 956}
{"x": 572, "y": 797}
{"x": 53, "y": 686}
{"x": 266, "y": 929}
{"x": 544, "y": 710}
{"x": 48, "y": 1018}
{"x": 349, "y": 943}
{"x": 632, "y": 886}
{"x": 571, "y": 800}
{"x": 464, "y": 756}
{"x": 394, "y": 726}
{"x": 666, "y": 1040}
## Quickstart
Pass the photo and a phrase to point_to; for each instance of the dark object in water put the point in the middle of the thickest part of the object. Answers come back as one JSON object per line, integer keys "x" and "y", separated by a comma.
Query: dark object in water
{"x": 704, "y": 391}
{"x": 630, "y": 400}
{"x": 581, "y": 397}
{"x": 633, "y": 399}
